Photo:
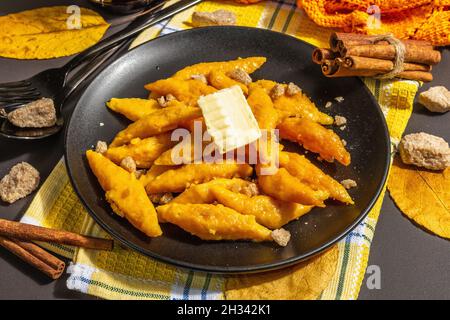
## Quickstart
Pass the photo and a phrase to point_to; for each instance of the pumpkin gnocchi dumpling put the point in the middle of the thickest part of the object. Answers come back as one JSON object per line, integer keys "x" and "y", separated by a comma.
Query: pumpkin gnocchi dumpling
{"x": 192, "y": 123}
{"x": 125, "y": 194}
{"x": 133, "y": 108}
{"x": 182, "y": 153}
{"x": 143, "y": 151}
{"x": 296, "y": 105}
{"x": 269, "y": 212}
{"x": 202, "y": 193}
{"x": 152, "y": 173}
{"x": 262, "y": 108}
{"x": 315, "y": 138}
{"x": 267, "y": 118}
{"x": 301, "y": 168}
{"x": 299, "y": 105}
{"x": 220, "y": 80}
{"x": 155, "y": 123}
{"x": 187, "y": 91}
{"x": 249, "y": 65}
{"x": 213, "y": 222}
{"x": 285, "y": 187}
{"x": 267, "y": 85}
{"x": 177, "y": 180}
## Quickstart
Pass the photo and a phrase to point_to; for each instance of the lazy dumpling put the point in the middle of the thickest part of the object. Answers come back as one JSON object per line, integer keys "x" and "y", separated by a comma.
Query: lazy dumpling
{"x": 125, "y": 194}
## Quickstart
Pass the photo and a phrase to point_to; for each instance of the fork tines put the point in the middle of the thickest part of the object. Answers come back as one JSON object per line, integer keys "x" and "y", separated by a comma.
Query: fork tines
{"x": 18, "y": 92}
{"x": 15, "y": 84}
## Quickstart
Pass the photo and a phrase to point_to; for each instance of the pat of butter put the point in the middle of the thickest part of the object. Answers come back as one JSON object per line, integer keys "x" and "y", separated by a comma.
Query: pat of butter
{"x": 229, "y": 119}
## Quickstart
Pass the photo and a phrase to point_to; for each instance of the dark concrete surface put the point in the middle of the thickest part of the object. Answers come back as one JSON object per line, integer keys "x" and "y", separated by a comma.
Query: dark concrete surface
{"x": 413, "y": 263}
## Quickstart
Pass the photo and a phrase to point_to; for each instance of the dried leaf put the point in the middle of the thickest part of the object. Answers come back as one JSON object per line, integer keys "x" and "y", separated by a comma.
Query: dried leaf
{"x": 423, "y": 196}
{"x": 304, "y": 281}
{"x": 49, "y": 32}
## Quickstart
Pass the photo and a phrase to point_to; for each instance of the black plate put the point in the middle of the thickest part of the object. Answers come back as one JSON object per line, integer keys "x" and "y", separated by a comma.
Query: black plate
{"x": 288, "y": 60}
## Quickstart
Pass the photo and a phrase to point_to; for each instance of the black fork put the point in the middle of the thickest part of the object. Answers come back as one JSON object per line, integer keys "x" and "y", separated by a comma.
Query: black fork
{"x": 52, "y": 83}
{"x": 10, "y": 131}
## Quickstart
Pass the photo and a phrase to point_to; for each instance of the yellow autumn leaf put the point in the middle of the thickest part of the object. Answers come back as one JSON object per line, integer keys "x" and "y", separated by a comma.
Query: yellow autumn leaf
{"x": 423, "y": 196}
{"x": 48, "y": 32}
{"x": 304, "y": 281}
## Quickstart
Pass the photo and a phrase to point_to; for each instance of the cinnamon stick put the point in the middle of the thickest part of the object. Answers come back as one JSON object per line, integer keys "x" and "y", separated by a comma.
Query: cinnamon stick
{"x": 329, "y": 67}
{"x": 29, "y": 232}
{"x": 35, "y": 256}
{"x": 342, "y": 39}
{"x": 319, "y": 55}
{"x": 416, "y": 75}
{"x": 354, "y": 62}
{"x": 334, "y": 70}
{"x": 413, "y": 53}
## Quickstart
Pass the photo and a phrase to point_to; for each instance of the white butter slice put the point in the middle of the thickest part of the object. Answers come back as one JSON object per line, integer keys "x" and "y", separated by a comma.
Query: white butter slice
{"x": 229, "y": 119}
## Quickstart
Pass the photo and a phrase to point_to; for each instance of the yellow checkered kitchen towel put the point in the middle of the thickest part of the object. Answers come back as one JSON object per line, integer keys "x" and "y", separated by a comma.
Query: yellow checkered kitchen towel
{"x": 125, "y": 274}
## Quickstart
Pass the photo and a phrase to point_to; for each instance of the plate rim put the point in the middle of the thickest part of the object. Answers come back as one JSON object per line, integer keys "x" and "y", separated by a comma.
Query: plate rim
{"x": 224, "y": 269}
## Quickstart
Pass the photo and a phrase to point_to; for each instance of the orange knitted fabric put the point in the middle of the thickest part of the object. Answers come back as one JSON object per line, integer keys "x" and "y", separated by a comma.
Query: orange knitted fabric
{"x": 406, "y": 19}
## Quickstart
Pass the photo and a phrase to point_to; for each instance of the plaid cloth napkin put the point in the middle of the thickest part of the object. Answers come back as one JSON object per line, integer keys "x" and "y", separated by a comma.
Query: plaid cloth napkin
{"x": 125, "y": 274}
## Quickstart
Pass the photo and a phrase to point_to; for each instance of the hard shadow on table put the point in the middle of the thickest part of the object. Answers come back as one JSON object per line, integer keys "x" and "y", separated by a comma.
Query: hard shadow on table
{"x": 14, "y": 148}
{"x": 60, "y": 288}
{"x": 42, "y": 154}
{"x": 420, "y": 109}
{"x": 24, "y": 268}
